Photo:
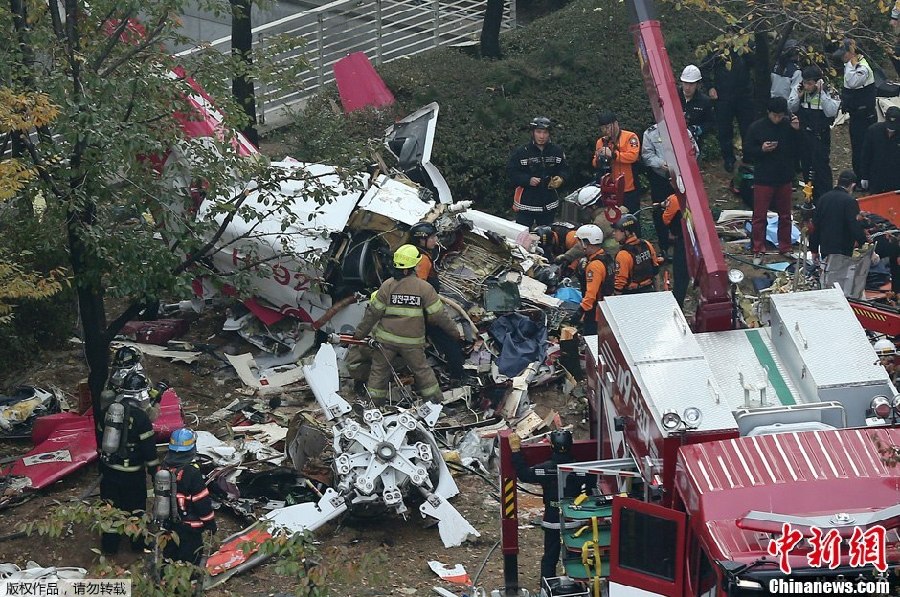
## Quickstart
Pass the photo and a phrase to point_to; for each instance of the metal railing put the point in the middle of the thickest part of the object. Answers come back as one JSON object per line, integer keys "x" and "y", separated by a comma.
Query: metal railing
{"x": 384, "y": 29}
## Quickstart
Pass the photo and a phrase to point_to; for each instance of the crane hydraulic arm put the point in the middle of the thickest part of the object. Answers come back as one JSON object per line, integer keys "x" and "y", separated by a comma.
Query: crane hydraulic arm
{"x": 706, "y": 262}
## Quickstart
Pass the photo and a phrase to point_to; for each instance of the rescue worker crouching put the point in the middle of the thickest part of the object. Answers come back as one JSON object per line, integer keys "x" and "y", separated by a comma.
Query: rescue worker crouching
{"x": 424, "y": 236}
{"x": 128, "y": 453}
{"x": 396, "y": 316}
{"x": 544, "y": 474}
{"x": 182, "y": 502}
{"x": 636, "y": 261}
{"x": 556, "y": 239}
{"x": 590, "y": 200}
{"x": 596, "y": 272}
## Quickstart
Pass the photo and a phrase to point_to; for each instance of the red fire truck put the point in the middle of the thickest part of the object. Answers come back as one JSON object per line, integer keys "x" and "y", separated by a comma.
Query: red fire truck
{"x": 725, "y": 455}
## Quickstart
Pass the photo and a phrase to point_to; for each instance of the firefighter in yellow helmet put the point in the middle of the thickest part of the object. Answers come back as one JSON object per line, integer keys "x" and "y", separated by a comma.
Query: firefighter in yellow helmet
{"x": 396, "y": 317}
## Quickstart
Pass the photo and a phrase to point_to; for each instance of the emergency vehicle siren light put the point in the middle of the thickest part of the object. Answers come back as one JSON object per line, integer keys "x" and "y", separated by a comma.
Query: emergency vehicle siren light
{"x": 895, "y": 403}
{"x": 735, "y": 276}
{"x": 692, "y": 417}
{"x": 671, "y": 420}
{"x": 689, "y": 420}
{"x": 881, "y": 406}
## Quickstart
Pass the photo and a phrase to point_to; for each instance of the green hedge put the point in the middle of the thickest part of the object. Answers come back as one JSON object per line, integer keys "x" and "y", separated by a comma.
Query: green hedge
{"x": 568, "y": 65}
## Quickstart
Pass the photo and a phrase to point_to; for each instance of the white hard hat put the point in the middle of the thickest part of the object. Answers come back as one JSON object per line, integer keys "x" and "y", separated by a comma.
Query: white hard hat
{"x": 884, "y": 347}
{"x": 590, "y": 233}
{"x": 588, "y": 195}
{"x": 690, "y": 74}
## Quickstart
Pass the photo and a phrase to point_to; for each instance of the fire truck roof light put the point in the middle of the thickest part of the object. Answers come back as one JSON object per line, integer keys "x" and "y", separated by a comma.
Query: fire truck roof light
{"x": 881, "y": 407}
{"x": 692, "y": 417}
{"x": 671, "y": 420}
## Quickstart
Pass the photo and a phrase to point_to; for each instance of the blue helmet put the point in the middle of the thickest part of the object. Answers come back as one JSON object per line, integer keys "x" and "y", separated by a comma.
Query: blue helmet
{"x": 182, "y": 440}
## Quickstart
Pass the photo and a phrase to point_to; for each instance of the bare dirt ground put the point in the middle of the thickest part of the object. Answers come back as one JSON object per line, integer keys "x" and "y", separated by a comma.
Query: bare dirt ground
{"x": 374, "y": 557}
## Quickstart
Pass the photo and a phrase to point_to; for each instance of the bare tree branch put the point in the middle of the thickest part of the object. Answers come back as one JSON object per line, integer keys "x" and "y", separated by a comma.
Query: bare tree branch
{"x": 204, "y": 250}
{"x": 149, "y": 40}
{"x": 113, "y": 40}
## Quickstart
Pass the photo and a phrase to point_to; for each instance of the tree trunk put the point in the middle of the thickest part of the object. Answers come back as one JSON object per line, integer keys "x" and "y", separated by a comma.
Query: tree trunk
{"x": 761, "y": 70}
{"x": 82, "y": 213}
{"x": 490, "y": 30}
{"x": 242, "y": 46}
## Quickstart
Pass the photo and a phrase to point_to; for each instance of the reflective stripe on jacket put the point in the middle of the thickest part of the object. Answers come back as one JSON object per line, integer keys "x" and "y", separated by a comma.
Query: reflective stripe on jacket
{"x": 397, "y": 313}
{"x": 194, "y": 503}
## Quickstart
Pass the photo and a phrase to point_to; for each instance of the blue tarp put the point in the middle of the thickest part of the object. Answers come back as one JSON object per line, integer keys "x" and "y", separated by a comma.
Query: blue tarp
{"x": 568, "y": 294}
{"x": 522, "y": 341}
{"x": 772, "y": 231}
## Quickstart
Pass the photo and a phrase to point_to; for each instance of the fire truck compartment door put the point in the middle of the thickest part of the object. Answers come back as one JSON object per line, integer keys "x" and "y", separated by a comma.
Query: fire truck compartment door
{"x": 648, "y": 549}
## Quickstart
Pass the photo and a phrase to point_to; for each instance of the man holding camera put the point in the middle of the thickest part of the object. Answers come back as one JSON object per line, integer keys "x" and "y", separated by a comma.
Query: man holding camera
{"x": 616, "y": 151}
{"x": 816, "y": 109}
{"x": 537, "y": 169}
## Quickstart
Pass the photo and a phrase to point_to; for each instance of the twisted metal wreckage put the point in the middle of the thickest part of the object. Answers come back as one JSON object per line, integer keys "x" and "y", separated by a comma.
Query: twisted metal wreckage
{"x": 316, "y": 291}
{"x": 386, "y": 458}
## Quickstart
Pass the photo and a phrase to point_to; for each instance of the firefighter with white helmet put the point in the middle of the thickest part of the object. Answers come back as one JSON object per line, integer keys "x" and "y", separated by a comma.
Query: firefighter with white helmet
{"x": 698, "y": 108}
{"x": 127, "y": 453}
{"x": 182, "y": 503}
{"x": 884, "y": 347}
{"x": 596, "y": 272}
{"x": 396, "y": 316}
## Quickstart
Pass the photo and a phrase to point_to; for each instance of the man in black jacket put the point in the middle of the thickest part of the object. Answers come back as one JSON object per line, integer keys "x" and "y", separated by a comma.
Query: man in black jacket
{"x": 698, "y": 108}
{"x": 880, "y": 161}
{"x": 773, "y": 144}
{"x": 837, "y": 230}
{"x": 537, "y": 170}
{"x": 729, "y": 79}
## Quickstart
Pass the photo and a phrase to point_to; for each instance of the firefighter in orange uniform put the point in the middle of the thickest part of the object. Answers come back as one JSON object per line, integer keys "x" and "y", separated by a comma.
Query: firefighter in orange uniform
{"x": 671, "y": 217}
{"x": 596, "y": 273}
{"x": 556, "y": 239}
{"x": 616, "y": 150}
{"x": 636, "y": 261}
{"x": 397, "y": 315}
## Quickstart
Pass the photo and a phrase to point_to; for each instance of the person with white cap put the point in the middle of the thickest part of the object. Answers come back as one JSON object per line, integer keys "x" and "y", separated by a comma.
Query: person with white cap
{"x": 857, "y": 98}
{"x": 596, "y": 272}
{"x": 698, "y": 108}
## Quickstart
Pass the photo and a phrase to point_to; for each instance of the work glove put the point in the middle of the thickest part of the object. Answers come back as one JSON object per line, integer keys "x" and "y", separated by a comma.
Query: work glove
{"x": 555, "y": 182}
{"x": 515, "y": 442}
{"x": 864, "y": 184}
